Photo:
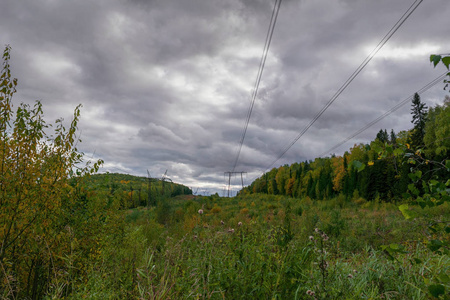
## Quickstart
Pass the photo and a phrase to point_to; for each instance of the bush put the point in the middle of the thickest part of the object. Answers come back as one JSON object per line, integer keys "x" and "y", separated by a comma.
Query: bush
{"x": 164, "y": 212}
{"x": 40, "y": 207}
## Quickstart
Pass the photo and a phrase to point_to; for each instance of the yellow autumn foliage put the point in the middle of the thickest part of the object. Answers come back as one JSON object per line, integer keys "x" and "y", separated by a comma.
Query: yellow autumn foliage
{"x": 35, "y": 193}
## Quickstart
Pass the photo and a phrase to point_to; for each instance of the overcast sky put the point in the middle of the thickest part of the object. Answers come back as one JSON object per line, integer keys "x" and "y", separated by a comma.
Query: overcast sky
{"x": 166, "y": 85}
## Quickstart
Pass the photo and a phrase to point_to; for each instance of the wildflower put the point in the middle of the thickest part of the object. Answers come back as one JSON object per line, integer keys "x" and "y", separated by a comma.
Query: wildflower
{"x": 309, "y": 292}
{"x": 354, "y": 271}
{"x": 317, "y": 230}
{"x": 325, "y": 237}
{"x": 311, "y": 238}
{"x": 350, "y": 276}
{"x": 222, "y": 222}
{"x": 195, "y": 236}
{"x": 240, "y": 224}
{"x": 231, "y": 230}
{"x": 200, "y": 211}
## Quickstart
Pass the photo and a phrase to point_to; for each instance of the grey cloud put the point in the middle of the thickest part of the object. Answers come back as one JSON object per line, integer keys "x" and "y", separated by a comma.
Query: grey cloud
{"x": 167, "y": 84}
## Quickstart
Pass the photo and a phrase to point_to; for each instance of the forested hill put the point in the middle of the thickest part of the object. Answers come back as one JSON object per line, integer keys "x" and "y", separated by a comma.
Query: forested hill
{"x": 378, "y": 170}
{"x": 133, "y": 191}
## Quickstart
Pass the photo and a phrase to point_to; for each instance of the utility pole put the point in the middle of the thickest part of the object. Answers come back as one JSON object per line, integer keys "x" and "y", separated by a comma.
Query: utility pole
{"x": 163, "y": 179}
{"x": 229, "y": 179}
{"x": 196, "y": 191}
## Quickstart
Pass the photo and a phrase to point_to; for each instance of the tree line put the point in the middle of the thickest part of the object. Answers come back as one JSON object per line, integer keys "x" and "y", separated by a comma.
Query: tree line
{"x": 360, "y": 171}
{"x": 132, "y": 191}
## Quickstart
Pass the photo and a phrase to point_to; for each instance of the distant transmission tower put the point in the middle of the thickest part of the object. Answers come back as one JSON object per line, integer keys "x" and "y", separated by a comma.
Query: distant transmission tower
{"x": 229, "y": 179}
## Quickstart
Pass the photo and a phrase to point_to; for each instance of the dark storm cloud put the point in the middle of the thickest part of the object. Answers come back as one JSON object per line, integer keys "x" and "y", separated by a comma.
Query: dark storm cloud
{"x": 166, "y": 85}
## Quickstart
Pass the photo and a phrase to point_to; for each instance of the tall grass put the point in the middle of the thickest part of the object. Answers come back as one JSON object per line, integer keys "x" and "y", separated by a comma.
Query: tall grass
{"x": 262, "y": 247}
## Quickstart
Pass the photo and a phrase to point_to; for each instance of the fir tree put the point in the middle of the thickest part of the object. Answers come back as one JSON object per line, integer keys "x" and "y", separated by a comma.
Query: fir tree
{"x": 393, "y": 138}
{"x": 419, "y": 115}
{"x": 382, "y": 136}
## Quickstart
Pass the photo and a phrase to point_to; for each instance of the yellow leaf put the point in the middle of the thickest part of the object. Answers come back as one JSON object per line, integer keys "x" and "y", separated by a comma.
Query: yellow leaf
{"x": 370, "y": 163}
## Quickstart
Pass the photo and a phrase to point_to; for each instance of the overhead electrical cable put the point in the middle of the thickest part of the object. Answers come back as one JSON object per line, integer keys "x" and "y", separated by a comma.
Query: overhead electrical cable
{"x": 396, "y": 107}
{"x": 391, "y": 110}
{"x": 385, "y": 39}
{"x": 273, "y": 20}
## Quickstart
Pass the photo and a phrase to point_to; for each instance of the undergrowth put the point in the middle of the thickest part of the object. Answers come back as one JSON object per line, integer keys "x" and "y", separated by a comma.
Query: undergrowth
{"x": 263, "y": 247}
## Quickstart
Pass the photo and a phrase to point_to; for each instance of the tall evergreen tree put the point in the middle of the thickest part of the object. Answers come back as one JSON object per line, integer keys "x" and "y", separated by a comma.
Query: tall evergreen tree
{"x": 393, "y": 138}
{"x": 382, "y": 136}
{"x": 419, "y": 115}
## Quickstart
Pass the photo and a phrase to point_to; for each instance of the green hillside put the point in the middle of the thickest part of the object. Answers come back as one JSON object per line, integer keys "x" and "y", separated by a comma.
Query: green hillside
{"x": 133, "y": 191}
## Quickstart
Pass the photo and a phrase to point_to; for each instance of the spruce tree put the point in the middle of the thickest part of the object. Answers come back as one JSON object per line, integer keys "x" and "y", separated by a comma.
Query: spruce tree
{"x": 419, "y": 114}
{"x": 393, "y": 137}
{"x": 382, "y": 136}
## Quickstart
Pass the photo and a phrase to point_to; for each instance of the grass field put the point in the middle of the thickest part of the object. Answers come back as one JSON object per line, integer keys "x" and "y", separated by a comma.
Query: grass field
{"x": 264, "y": 247}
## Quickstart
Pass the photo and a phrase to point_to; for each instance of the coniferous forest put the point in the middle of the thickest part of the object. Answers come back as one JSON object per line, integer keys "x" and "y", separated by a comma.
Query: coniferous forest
{"x": 370, "y": 224}
{"x": 362, "y": 171}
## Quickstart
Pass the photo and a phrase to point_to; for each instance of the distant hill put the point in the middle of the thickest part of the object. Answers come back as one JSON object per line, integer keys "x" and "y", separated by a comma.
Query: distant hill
{"x": 133, "y": 191}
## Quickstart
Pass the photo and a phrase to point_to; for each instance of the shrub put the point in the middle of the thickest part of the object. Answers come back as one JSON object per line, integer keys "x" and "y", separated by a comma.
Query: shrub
{"x": 163, "y": 212}
{"x": 40, "y": 205}
{"x": 216, "y": 209}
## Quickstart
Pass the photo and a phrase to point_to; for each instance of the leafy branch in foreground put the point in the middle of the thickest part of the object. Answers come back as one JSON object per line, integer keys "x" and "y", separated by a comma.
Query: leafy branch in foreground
{"x": 35, "y": 194}
{"x": 426, "y": 190}
{"x": 445, "y": 59}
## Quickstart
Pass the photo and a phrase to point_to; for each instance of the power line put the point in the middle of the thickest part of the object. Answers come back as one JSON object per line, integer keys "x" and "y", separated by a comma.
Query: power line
{"x": 385, "y": 39}
{"x": 400, "y": 104}
{"x": 273, "y": 20}
{"x": 229, "y": 179}
{"x": 391, "y": 110}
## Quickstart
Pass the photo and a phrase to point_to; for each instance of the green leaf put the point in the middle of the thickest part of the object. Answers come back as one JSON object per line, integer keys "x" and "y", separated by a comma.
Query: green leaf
{"x": 394, "y": 246}
{"x": 413, "y": 189}
{"x": 358, "y": 165}
{"x": 436, "y": 290}
{"x": 418, "y": 174}
{"x": 446, "y": 61}
{"x": 435, "y": 59}
{"x": 404, "y": 208}
{"x": 433, "y": 182}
